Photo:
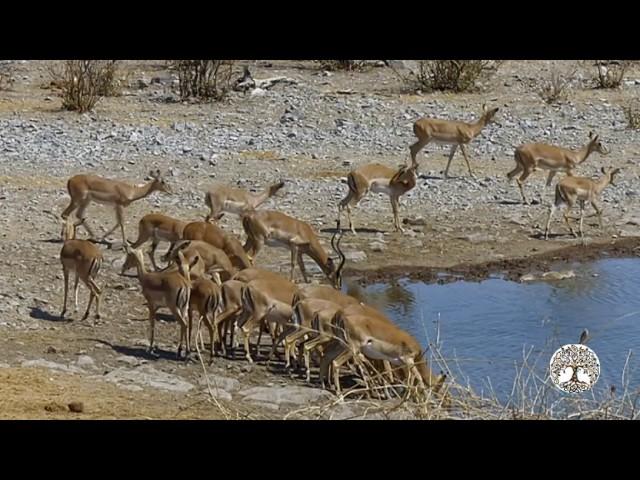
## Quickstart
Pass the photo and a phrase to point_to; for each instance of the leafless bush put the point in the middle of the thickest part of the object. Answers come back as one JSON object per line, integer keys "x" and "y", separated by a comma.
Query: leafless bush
{"x": 632, "y": 114}
{"x": 204, "y": 79}
{"x": 348, "y": 65}
{"x": 455, "y": 75}
{"x": 610, "y": 73}
{"x": 84, "y": 82}
{"x": 556, "y": 87}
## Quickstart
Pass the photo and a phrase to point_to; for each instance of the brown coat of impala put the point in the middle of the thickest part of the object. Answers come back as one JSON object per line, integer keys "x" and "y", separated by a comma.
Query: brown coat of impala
{"x": 377, "y": 178}
{"x": 531, "y": 157}
{"x": 156, "y": 227}
{"x": 84, "y": 189}
{"x": 279, "y": 230}
{"x": 170, "y": 289}
{"x": 213, "y": 234}
{"x": 449, "y": 132}
{"x": 223, "y": 198}
{"x": 84, "y": 258}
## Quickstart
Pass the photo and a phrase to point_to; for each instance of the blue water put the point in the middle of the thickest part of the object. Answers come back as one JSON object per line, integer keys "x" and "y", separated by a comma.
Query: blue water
{"x": 486, "y": 325}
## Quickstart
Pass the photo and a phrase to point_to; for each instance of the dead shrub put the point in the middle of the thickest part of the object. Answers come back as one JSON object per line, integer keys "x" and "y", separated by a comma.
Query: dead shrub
{"x": 348, "y": 65}
{"x": 203, "y": 79}
{"x": 556, "y": 88}
{"x": 84, "y": 82}
{"x": 610, "y": 73}
{"x": 632, "y": 114}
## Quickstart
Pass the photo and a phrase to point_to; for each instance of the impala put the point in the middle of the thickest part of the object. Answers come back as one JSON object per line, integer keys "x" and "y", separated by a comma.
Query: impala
{"x": 377, "y": 339}
{"x": 84, "y": 189}
{"x": 265, "y": 300}
{"x": 279, "y": 230}
{"x": 540, "y": 156}
{"x": 156, "y": 227}
{"x": 215, "y": 260}
{"x": 84, "y": 258}
{"x": 231, "y": 301}
{"x": 378, "y": 179}
{"x": 217, "y": 237}
{"x": 205, "y": 298}
{"x": 166, "y": 289}
{"x": 571, "y": 189}
{"x": 223, "y": 198}
{"x": 449, "y": 132}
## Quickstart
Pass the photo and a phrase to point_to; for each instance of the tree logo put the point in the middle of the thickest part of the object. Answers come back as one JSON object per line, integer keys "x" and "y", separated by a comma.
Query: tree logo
{"x": 574, "y": 368}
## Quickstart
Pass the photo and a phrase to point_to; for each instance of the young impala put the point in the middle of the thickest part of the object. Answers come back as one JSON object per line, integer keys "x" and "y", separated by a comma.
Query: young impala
{"x": 379, "y": 179}
{"x": 449, "y": 132}
{"x": 571, "y": 189}
{"x": 84, "y": 189}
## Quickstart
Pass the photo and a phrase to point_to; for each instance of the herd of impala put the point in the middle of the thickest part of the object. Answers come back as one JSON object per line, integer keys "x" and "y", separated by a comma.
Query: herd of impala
{"x": 305, "y": 319}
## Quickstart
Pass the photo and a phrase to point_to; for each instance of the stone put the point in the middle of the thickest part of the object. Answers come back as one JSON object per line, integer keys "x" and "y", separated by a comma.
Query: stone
{"x": 285, "y": 395}
{"x": 148, "y": 376}
{"x": 85, "y": 361}
{"x": 220, "y": 382}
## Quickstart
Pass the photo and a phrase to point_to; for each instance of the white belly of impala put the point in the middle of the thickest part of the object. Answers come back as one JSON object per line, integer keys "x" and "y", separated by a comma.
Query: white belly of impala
{"x": 380, "y": 186}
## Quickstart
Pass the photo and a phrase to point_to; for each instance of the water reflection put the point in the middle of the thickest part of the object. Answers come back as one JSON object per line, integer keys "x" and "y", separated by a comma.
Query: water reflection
{"x": 485, "y": 326}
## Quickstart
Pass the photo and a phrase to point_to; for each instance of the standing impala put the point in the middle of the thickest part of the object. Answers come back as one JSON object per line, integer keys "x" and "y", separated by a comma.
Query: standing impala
{"x": 571, "y": 189}
{"x": 156, "y": 227}
{"x": 540, "y": 156}
{"x": 379, "y": 179}
{"x": 223, "y": 198}
{"x": 170, "y": 289}
{"x": 279, "y": 230}
{"x": 449, "y": 132}
{"x": 84, "y": 258}
{"x": 84, "y": 189}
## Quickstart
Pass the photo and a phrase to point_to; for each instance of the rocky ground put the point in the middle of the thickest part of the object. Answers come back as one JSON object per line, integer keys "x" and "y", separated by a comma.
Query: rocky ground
{"x": 309, "y": 132}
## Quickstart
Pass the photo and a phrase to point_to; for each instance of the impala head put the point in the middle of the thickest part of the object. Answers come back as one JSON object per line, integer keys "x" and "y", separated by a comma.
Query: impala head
{"x": 335, "y": 274}
{"x": 489, "y": 115}
{"x": 610, "y": 173}
{"x": 406, "y": 174}
{"x": 184, "y": 266}
{"x": 595, "y": 145}
{"x": 159, "y": 183}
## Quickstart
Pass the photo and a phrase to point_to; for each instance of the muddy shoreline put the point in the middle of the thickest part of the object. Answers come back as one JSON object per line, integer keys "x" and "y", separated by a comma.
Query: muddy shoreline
{"x": 509, "y": 269}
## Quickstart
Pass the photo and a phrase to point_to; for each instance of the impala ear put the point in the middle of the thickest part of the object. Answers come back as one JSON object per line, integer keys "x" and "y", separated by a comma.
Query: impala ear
{"x": 484, "y": 107}
{"x": 590, "y": 134}
{"x": 603, "y": 170}
{"x": 194, "y": 261}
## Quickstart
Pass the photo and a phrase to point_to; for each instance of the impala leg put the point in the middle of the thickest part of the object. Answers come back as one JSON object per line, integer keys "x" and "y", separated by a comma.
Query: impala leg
{"x": 394, "y": 207}
{"x": 451, "y": 154}
{"x": 303, "y": 270}
{"x": 466, "y": 159}
{"x": 416, "y": 147}
{"x": 152, "y": 327}
{"x": 598, "y": 212}
{"x": 98, "y": 294}
{"x": 552, "y": 174}
{"x": 92, "y": 295}
{"x": 152, "y": 253}
{"x": 581, "y": 221}
{"x": 82, "y": 220}
{"x": 521, "y": 181}
{"x": 566, "y": 219}
{"x": 75, "y": 289}
{"x": 552, "y": 209}
{"x": 65, "y": 273}
{"x": 294, "y": 255}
